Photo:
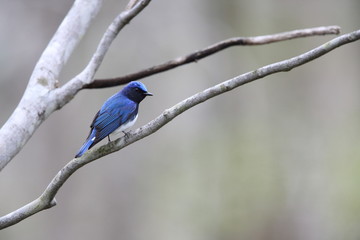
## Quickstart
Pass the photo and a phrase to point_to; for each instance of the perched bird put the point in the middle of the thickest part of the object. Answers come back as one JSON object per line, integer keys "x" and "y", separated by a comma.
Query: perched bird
{"x": 117, "y": 114}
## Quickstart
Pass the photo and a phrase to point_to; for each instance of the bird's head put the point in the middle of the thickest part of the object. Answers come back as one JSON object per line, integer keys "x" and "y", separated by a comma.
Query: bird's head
{"x": 136, "y": 91}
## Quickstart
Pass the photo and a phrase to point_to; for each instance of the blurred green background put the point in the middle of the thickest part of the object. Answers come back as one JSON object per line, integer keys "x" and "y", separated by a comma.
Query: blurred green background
{"x": 275, "y": 159}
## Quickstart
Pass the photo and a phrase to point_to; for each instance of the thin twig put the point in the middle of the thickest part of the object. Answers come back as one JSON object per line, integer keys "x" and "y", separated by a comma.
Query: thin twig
{"x": 197, "y": 55}
{"x": 47, "y": 198}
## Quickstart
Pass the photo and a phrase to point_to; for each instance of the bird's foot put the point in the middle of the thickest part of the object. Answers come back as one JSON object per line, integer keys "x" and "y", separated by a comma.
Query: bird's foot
{"x": 127, "y": 134}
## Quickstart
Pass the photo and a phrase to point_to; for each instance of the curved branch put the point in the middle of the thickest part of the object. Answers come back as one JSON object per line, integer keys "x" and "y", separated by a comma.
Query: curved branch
{"x": 200, "y": 54}
{"x": 47, "y": 198}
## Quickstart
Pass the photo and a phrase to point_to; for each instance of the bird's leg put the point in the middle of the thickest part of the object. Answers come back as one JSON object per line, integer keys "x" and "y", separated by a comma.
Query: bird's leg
{"x": 109, "y": 138}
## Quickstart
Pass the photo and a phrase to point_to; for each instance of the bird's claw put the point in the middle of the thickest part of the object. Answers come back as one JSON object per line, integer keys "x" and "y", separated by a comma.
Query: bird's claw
{"x": 127, "y": 134}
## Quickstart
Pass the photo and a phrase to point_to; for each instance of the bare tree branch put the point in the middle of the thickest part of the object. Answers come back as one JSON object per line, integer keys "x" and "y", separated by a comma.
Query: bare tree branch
{"x": 47, "y": 198}
{"x": 64, "y": 94}
{"x": 200, "y": 54}
{"x": 109, "y": 36}
{"x": 34, "y": 107}
{"x": 42, "y": 96}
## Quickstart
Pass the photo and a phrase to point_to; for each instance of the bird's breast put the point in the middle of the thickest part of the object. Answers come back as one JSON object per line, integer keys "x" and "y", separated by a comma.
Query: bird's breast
{"x": 125, "y": 126}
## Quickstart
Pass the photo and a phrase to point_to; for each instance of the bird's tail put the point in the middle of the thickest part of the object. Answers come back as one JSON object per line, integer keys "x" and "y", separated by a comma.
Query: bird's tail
{"x": 89, "y": 141}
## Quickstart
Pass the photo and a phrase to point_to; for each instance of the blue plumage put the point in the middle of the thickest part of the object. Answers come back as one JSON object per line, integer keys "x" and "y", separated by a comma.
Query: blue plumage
{"x": 118, "y": 113}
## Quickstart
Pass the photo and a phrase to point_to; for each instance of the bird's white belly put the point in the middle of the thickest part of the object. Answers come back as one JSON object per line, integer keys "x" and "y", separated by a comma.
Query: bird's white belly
{"x": 124, "y": 127}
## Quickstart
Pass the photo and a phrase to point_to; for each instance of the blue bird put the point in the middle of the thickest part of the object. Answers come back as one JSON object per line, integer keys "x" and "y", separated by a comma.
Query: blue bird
{"x": 117, "y": 114}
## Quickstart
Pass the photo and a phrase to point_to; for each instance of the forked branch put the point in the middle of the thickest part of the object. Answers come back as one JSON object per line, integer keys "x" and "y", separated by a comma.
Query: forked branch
{"x": 43, "y": 95}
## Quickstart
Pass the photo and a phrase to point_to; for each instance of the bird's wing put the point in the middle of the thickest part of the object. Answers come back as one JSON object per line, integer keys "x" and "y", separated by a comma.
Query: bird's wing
{"x": 112, "y": 116}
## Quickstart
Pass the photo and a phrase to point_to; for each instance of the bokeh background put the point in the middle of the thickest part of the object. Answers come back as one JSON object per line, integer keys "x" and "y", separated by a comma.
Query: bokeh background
{"x": 275, "y": 159}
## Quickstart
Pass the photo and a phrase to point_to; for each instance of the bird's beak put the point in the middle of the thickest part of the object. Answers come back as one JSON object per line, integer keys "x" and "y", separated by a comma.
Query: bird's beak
{"x": 148, "y": 94}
